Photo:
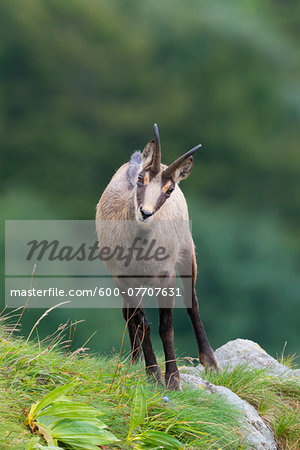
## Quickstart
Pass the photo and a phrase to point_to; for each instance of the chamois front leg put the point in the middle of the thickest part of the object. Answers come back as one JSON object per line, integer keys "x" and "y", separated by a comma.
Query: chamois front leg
{"x": 152, "y": 368}
{"x": 166, "y": 331}
{"x": 139, "y": 329}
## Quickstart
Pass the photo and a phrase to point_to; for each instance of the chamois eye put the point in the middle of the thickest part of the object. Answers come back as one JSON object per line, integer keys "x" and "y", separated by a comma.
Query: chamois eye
{"x": 140, "y": 179}
{"x": 169, "y": 191}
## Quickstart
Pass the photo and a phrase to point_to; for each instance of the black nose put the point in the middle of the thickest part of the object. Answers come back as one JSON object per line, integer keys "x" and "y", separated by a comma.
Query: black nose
{"x": 145, "y": 214}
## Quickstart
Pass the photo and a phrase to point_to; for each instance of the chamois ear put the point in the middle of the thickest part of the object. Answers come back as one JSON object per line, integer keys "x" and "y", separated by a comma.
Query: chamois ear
{"x": 183, "y": 171}
{"x": 148, "y": 153}
{"x": 181, "y": 168}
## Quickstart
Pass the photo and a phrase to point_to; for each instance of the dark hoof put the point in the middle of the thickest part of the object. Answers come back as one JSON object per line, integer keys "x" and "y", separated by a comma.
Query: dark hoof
{"x": 173, "y": 381}
{"x": 208, "y": 360}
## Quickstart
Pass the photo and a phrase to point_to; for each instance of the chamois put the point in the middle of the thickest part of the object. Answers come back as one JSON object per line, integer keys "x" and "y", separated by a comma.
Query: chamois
{"x": 144, "y": 197}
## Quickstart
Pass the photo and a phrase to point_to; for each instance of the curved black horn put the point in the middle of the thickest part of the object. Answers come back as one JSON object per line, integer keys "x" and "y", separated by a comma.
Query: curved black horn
{"x": 169, "y": 170}
{"x": 157, "y": 155}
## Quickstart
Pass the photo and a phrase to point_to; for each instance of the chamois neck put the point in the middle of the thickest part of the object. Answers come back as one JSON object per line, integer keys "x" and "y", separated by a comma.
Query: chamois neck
{"x": 125, "y": 207}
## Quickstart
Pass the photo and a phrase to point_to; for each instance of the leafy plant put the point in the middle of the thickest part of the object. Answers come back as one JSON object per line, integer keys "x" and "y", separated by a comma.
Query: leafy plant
{"x": 155, "y": 439}
{"x": 138, "y": 409}
{"x": 60, "y": 419}
{"x": 149, "y": 438}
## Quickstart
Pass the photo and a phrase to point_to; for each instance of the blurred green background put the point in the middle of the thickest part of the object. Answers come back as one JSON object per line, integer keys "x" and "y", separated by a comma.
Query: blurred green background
{"x": 82, "y": 83}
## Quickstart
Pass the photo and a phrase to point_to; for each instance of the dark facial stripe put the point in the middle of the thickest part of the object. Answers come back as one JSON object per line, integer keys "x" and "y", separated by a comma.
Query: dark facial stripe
{"x": 141, "y": 189}
{"x": 166, "y": 184}
{"x": 140, "y": 194}
{"x": 160, "y": 201}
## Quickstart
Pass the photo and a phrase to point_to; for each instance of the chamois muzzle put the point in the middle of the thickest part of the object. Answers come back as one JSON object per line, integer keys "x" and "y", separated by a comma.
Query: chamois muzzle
{"x": 145, "y": 214}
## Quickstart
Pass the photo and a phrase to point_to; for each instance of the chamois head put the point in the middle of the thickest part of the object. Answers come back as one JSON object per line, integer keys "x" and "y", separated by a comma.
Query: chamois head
{"x": 156, "y": 183}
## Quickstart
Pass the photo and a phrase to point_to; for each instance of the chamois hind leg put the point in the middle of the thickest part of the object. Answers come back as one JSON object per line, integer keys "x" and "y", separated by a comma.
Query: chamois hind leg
{"x": 206, "y": 354}
{"x": 166, "y": 332}
{"x": 136, "y": 347}
{"x": 134, "y": 334}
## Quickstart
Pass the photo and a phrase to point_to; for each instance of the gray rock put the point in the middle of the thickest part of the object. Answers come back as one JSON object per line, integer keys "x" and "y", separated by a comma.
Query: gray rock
{"x": 249, "y": 352}
{"x": 296, "y": 372}
{"x": 197, "y": 371}
{"x": 258, "y": 436}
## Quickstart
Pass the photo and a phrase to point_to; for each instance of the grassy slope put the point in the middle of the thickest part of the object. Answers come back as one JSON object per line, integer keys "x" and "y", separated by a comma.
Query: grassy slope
{"x": 276, "y": 399}
{"x": 29, "y": 370}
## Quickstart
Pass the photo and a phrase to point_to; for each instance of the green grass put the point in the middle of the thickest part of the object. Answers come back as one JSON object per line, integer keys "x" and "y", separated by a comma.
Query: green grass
{"x": 30, "y": 370}
{"x": 289, "y": 361}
